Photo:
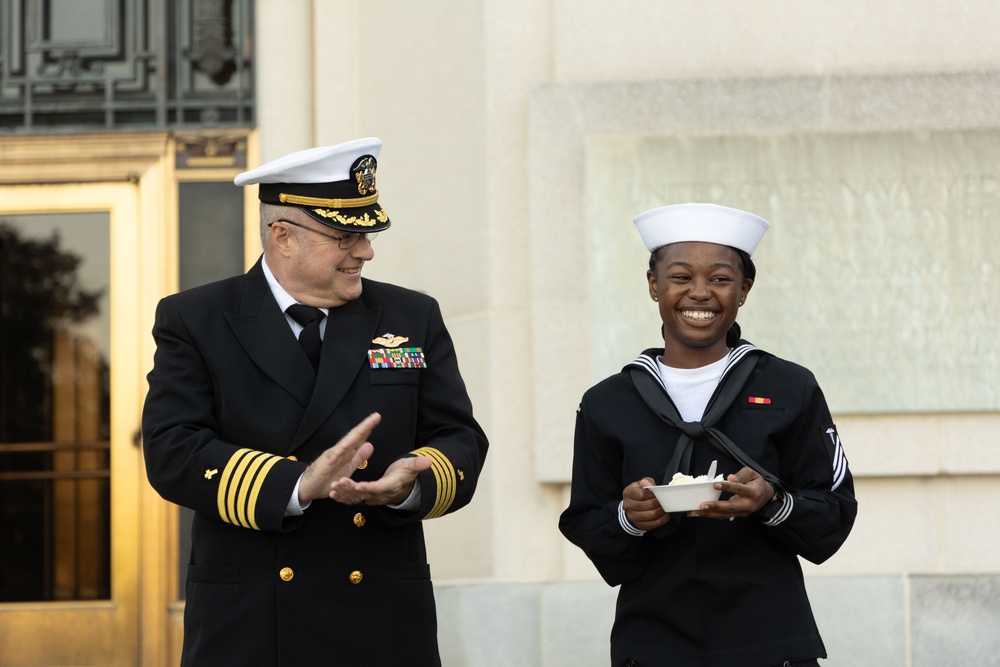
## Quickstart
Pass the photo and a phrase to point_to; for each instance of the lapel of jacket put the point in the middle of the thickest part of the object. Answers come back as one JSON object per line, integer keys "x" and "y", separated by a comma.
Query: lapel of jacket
{"x": 263, "y": 331}
{"x": 349, "y": 332}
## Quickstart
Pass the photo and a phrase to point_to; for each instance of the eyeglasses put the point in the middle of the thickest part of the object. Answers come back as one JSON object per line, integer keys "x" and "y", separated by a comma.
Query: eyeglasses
{"x": 345, "y": 242}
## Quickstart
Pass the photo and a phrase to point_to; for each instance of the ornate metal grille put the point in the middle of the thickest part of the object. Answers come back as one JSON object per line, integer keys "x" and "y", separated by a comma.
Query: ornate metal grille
{"x": 73, "y": 65}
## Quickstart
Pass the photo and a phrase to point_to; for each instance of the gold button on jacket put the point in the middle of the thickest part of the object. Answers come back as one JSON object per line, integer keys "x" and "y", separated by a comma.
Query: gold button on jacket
{"x": 363, "y": 465}
{"x": 359, "y": 519}
{"x": 356, "y": 577}
{"x": 286, "y": 574}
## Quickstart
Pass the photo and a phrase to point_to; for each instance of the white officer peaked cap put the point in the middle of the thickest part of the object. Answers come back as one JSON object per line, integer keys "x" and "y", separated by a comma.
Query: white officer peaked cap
{"x": 709, "y": 223}
{"x": 323, "y": 164}
{"x": 334, "y": 185}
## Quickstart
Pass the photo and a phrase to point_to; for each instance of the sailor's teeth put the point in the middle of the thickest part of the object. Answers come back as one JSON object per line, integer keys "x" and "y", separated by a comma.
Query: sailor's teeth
{"x": 698, "y": 314}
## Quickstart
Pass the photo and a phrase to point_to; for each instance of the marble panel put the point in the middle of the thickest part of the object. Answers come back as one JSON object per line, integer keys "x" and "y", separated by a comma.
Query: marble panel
{"x": 489, "y": 625}
{"x": 894, "y": 445}
{"x": 576, "y": 624}
{"x": 566, "y": 118}
{"x": 955, "y": 620}
{"x": 969, "y": 444}
{"x": 920, "y": 444}
{"x": 879, "y": 258}
{"x": 899, "y": 529}
{"x": 861, "y": 619}
{"x": 969, "y": 524}
{"x": 611, "y": 40}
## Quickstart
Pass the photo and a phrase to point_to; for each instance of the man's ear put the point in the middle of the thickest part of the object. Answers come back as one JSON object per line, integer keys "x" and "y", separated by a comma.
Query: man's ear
{"x": 281, "y": 237}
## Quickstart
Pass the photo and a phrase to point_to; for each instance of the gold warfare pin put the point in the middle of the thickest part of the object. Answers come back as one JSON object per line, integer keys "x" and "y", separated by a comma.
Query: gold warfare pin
{"x": 390, "y": 340}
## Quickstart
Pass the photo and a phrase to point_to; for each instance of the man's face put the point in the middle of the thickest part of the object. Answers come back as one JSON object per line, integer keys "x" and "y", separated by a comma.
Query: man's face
{"x": 318, "y": 272}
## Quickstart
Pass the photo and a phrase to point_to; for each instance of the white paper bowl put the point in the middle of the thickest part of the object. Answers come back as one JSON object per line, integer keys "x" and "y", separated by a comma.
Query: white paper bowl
{"x": 684, "y": 497}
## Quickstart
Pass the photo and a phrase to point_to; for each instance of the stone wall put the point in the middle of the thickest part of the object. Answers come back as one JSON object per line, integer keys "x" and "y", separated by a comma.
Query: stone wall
{"x": 865, "y": 621}
{"x": 521, "y": 136}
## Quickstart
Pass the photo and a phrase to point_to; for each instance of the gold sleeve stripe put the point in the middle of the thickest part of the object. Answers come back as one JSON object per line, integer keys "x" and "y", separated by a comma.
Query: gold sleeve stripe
{"x": 440, "y": 469}
{"x": 235, "y": 485}
{"x": 435, "y": 468}
{"x": 224, "y": 481}
{"x": 255, "y": 491}
{"x": 444, "y": 475}
{"x": 240, "y": 486}
{"x": 249, "y": 489}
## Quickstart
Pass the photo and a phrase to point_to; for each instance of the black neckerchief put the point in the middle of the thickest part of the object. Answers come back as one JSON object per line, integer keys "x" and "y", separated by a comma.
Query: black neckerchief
{"x": 646, "y": 378}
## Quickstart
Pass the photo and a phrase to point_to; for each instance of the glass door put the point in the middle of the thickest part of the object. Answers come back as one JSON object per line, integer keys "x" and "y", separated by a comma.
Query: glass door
{"x": 70, "y": 461}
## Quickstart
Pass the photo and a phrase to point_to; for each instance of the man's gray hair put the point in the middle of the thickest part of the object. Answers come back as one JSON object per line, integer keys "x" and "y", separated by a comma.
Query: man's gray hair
{"x": 269, "y": 213}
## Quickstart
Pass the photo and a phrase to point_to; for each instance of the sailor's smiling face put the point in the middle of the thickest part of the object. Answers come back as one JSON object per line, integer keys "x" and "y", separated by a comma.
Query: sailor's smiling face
{"x": 699, "y": 288}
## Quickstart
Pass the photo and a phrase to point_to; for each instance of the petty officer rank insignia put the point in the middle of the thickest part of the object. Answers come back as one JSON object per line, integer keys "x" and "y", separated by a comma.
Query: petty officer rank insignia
{"x": 397, "y": 357}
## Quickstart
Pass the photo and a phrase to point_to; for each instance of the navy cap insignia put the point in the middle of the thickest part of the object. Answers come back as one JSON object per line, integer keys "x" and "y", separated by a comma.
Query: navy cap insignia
{"x": 363, "y": 171}
{"x": 390, "y": 340}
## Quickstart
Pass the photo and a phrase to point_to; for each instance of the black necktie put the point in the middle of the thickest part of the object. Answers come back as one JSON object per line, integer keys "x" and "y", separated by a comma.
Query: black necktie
{"x": 309, "y": 318}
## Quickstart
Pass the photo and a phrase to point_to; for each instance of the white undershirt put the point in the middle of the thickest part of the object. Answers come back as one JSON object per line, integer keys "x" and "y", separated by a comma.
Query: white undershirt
{"x": 690, "y": 388}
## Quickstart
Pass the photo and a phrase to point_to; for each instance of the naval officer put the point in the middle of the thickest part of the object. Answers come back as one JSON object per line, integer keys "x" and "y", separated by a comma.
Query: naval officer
{"x": 312, "y": 419}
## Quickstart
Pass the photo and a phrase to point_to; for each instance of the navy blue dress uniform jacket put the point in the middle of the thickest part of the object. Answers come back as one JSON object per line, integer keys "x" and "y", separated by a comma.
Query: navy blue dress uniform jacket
{"x": 712, "y": 593}
{"x": 234, "y": 414}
